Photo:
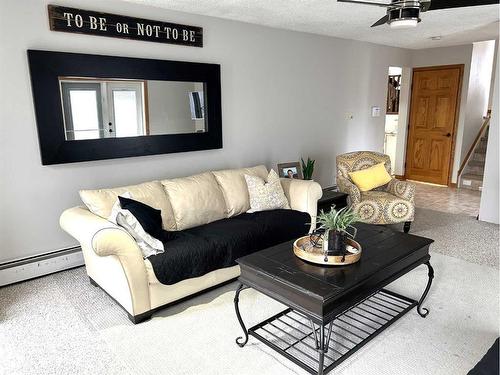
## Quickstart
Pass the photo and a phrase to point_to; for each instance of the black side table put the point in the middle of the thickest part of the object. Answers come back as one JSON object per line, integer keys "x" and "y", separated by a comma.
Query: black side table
{"x": 331, "y": 197}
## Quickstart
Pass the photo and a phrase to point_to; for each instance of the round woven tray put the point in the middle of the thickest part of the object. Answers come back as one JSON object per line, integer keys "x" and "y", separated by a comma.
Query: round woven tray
{"x": 303, "y": 248}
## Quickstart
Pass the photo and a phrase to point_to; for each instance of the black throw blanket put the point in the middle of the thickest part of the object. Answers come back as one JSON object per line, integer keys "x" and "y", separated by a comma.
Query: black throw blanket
{"x": 197, "y": 251}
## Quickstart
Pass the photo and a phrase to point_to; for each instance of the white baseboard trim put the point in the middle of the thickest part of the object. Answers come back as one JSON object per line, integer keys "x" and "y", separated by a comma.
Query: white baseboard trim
{"x": 32, "y": 267}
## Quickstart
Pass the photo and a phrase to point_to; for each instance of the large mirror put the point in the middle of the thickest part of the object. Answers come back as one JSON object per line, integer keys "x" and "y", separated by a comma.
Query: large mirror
{"x": 91, "y": 107}
{"x": 115, "y": 108}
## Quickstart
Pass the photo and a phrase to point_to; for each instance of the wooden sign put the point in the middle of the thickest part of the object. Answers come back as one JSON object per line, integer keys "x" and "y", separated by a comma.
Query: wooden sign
{"x": 81, "y": 21}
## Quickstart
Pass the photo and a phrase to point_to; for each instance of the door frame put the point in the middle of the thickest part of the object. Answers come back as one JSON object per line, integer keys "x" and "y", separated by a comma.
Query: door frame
{"x": 461, "y": 68}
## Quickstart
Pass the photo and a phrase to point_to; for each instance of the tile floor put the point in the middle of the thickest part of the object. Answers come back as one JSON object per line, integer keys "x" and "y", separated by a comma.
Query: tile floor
{"x": 446, "y": 199}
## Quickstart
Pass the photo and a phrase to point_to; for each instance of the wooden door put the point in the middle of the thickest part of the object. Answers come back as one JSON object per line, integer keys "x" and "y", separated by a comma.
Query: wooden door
{"x": 434, "y": 110}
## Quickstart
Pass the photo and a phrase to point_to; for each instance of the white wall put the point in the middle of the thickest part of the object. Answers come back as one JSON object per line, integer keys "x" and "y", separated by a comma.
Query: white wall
{"x": 390, "y": 146}
{"x": 284, "y": 95}
{"x": 489, "y": 209}
{"x": 478, "y": 94}
{"x": 403, "y": 118}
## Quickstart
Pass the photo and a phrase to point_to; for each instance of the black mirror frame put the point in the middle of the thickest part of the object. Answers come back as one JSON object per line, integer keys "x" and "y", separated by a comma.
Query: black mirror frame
{"x": 46, "y": 67}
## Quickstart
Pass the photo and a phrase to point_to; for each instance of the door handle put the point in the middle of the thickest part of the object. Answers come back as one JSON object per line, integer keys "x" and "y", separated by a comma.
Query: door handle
{"x": 448, "y": 135}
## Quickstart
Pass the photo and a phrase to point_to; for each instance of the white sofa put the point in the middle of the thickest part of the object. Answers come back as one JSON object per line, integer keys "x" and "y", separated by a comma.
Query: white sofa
{"x": 113, "y": 259}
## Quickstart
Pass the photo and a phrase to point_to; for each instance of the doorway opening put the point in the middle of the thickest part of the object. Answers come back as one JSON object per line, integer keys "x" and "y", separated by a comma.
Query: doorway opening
{"x": 394, "y": 82}
{"x": 434, "y": 111}
{"x": 445, "y": 126}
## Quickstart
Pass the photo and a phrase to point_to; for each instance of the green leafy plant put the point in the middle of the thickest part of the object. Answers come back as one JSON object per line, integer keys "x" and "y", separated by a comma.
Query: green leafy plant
{"x": 307, "y": 168}
{"x": 337, "y": 220}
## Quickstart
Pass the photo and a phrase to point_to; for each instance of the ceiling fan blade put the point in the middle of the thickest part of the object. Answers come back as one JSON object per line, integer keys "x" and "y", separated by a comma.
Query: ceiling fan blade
{"x": 364, "y": 3}
{"x": 448, "y": 4}
{"x": 381, "y": 21}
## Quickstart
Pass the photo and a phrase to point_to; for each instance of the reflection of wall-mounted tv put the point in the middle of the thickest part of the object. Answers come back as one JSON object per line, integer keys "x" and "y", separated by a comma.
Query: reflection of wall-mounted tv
{"x": 196, "y": 104}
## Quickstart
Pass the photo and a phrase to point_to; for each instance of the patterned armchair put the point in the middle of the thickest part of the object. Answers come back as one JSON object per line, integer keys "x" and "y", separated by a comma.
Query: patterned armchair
{"x": 388, "y": 204}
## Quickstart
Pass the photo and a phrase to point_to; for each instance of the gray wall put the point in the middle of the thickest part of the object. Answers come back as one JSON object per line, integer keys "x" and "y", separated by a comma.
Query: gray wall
{"x": 284, "y": 94}
{"x": 169, "y": 111}
{"x": 490, "y": 206}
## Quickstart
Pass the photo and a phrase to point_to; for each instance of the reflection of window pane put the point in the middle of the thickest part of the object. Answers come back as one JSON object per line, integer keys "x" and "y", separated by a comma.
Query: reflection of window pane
{"x": 84, "y": 110}
{"x": 125, "y": 111}
{"x": 92, "y": 134}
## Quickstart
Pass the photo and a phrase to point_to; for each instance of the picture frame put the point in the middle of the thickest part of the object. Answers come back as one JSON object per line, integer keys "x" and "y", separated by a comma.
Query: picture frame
{"x": 290, "y": 170}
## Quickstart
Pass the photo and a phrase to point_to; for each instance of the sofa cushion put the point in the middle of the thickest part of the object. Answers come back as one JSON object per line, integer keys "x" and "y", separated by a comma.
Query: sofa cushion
{"x": 195, "y": 200}
{"x": 236, "y": 237}
{"x": 197, "y": 251}
{"x": 188, "y": 256}
{"x": 234, "y": 187}
{"x": 101, "y": 201}
{"x": 279, "y": 225}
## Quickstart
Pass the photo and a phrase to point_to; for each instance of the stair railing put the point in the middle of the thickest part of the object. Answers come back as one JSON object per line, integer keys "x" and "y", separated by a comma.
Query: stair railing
{"x": 475, "y": 143}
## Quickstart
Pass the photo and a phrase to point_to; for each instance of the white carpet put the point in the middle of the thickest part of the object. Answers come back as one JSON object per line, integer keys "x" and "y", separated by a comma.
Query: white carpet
{"x": 61, "y": 325}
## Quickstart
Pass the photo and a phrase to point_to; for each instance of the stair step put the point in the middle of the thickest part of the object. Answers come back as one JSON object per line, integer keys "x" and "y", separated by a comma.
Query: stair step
{"x": 470, "y": 176}
{"x": 475, "y": 163}
{"x": 471, "y": 181}
{"x": 479, "y": 156}
{"x": 472, "y": 170}
{"x": 471, "y": 187}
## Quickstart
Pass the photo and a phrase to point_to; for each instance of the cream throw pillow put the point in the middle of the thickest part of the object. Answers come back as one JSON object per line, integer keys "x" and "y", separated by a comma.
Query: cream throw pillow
{"x": 266, "y": 195}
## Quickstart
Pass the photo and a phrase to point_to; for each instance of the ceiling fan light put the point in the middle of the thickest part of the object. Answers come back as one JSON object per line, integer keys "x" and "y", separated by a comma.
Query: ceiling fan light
{"x": 403, "y": 24}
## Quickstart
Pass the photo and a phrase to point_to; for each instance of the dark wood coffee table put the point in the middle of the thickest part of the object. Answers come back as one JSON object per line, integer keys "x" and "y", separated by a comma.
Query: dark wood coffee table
{"x": 332, "y": 311}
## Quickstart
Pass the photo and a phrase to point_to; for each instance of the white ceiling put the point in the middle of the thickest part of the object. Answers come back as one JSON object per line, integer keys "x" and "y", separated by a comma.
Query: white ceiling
{"x": 349, "y": 21}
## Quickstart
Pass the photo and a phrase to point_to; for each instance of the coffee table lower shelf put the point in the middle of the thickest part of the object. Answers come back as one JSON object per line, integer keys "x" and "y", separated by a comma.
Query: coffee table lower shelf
{"x": 296, "y": 337}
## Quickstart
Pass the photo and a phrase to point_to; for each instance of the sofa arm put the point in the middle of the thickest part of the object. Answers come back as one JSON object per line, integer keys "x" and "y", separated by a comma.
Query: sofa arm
{"x": 303, "y": 195}
{"x": 107, "y": 239}
{"x": 401, "y": 189}
{"x": 346, "y": 186}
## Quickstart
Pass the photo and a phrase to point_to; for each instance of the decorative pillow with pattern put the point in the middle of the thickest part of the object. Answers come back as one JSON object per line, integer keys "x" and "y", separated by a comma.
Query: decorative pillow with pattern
{"x": 266, "y": 195}
{"x": 125, "y": 219}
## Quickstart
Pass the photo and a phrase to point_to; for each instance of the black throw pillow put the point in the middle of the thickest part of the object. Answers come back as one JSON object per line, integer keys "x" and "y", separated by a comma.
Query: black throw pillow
{"x": 148, "y": 217}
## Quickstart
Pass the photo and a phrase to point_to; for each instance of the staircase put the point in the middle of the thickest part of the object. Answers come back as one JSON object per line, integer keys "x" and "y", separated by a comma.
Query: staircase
{"x": 472, "y": 173}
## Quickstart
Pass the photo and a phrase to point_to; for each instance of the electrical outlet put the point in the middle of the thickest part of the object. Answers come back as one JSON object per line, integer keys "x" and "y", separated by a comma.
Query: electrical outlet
{"x": 349, "y": 116}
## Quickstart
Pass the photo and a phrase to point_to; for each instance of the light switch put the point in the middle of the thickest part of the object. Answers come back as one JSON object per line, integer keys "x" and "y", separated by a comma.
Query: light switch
{"x": 375, "y": 111}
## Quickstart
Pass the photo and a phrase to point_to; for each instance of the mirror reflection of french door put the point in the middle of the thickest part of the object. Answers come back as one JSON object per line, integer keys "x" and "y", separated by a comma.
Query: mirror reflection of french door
{"x": 125, "y": 110}
{"x": 82, "y": 103}
{"x": 103, "y": 110}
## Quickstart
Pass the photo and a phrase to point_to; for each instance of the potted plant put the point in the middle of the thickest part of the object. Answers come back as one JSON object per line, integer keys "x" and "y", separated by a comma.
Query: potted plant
{"x": 307, "y": 168}
{"x": 336, "y": 224}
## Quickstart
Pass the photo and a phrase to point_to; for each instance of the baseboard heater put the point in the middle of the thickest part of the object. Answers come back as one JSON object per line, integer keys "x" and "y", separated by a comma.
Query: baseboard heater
{"x": 40, "y": 265}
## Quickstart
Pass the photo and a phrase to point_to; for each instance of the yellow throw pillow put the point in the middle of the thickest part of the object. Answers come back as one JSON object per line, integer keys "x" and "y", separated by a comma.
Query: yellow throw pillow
{"x": 370, "y": 178}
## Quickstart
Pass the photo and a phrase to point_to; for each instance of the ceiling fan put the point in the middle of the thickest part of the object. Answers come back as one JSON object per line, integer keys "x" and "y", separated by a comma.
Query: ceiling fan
{"x": 406, "y": 13}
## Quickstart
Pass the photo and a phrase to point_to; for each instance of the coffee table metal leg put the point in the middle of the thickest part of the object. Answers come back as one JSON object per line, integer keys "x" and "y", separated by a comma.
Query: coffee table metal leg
{"x": 239, "y": 340}
{"x": 321, "y": 349}
{"x": 322, "y": 343}
{"x": 423, "y": 312}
